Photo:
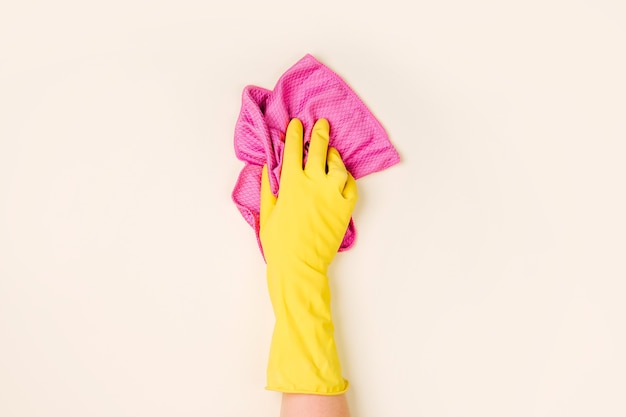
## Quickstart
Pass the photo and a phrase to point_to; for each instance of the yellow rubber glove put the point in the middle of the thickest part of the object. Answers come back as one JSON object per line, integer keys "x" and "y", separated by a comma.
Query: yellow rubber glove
{"x": 301, "y": 231}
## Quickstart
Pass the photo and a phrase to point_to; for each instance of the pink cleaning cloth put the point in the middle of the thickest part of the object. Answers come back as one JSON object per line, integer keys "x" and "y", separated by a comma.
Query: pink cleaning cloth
{"x": 309, "y": 91}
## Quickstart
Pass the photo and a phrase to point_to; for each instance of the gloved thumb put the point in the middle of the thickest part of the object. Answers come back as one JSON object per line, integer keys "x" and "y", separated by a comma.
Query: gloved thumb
{"x": 268, "y": 199}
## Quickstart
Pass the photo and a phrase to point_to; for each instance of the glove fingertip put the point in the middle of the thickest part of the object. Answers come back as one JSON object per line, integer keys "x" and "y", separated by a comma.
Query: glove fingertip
{"x": 350, "y": 191}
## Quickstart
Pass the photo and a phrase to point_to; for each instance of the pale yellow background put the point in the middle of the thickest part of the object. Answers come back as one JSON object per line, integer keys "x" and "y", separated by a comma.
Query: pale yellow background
{"x": 488, "y": 279}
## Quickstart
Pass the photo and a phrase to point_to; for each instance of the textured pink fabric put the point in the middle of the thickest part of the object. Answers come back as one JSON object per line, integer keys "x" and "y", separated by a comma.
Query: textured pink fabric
{"x": 309, "y": 91}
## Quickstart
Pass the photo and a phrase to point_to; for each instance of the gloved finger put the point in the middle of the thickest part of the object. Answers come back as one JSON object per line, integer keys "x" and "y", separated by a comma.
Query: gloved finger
{"x": 292, "y": 157}
{"x": 350, "y": 191}
{"x": 268, "y": 199}
{"x": 316, "y": 162}
{"x": 337, "y": 172}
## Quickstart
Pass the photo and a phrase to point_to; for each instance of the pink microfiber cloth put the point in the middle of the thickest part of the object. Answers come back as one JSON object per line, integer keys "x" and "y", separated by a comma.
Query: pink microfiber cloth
{"x": 309, "y": 91}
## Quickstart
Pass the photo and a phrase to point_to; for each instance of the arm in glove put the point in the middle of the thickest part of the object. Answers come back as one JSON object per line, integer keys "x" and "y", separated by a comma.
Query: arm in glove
{"x": 301, "y": 231}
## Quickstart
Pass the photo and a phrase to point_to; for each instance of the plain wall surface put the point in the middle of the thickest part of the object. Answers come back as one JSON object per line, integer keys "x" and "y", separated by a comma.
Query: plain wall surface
{"x": 488, "y": 278}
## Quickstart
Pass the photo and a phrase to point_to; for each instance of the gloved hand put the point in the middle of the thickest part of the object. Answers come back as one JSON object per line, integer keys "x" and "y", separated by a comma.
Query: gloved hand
{"x": 300, "y": 232}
